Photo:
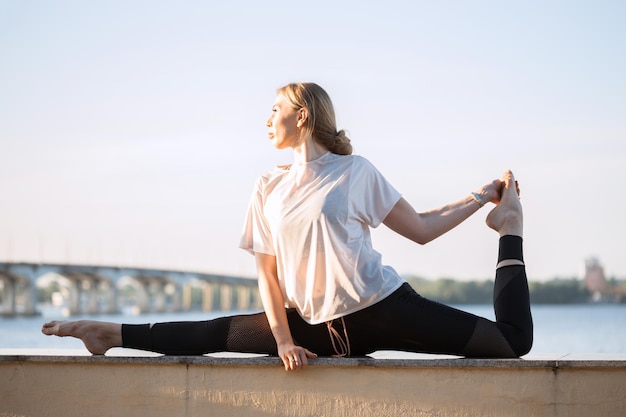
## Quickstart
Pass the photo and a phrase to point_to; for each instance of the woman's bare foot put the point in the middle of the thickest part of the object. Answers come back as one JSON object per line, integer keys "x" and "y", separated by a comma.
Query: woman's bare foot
{"x": 97, "y": 336}
{"x": 506, "y": 218}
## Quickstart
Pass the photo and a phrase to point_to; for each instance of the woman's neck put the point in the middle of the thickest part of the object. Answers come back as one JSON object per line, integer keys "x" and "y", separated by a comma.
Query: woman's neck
{"x": 308, "y": 150}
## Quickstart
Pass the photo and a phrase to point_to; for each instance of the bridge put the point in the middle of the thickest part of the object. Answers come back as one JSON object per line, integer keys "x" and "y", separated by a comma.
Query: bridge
{"x": 102, "y": 289}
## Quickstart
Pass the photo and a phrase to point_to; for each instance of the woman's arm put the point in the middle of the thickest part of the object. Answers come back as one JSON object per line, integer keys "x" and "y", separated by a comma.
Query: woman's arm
{"x": 294, "y": 357}
{"x": 424, "y": 227}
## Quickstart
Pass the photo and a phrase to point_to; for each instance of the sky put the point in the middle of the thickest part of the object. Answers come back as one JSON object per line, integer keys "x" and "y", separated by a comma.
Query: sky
{"x": 131, "y": 133}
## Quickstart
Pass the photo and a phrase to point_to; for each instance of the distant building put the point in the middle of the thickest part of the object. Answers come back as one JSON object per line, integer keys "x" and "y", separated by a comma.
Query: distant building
{"x": 595, "y": 281}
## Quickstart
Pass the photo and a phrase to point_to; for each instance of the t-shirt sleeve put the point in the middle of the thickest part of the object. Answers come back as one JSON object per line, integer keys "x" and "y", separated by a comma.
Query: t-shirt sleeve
{"x": 256, "y": 235}
{"x": 372, "y": 195}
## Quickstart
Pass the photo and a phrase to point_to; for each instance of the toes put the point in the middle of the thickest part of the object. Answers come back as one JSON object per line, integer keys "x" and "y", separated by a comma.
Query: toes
{"x": 511, "y": 186}
{"x": 49, "y": 328}
{"x": 509, "y": 179}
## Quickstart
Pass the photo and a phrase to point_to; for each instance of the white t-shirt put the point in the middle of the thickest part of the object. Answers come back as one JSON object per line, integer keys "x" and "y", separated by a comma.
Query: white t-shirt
{"x": 315, "y": 218}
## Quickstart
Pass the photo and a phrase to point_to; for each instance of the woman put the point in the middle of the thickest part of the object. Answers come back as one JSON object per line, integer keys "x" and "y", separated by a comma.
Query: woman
{"x": 323, "y": 286}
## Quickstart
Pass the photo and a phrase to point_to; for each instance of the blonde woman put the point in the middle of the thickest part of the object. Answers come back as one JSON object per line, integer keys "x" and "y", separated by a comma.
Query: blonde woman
{"x": 323, "y": 286}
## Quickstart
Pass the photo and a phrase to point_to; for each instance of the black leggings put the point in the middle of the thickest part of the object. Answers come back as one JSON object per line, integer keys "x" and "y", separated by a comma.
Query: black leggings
{"x": 402, "y": 321}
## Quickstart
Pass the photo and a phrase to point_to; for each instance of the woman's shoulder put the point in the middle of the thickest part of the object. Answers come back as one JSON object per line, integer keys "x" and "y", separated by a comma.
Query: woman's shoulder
{"x": 360, "y": 162}
{"x": 351, "y": 164}
{"x": 272, "y": 176}
{"x": 352, "y": 158}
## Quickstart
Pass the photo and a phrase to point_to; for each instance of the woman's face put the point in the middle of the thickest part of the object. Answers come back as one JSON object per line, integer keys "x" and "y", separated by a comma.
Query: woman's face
{"x": 283, "y": 124}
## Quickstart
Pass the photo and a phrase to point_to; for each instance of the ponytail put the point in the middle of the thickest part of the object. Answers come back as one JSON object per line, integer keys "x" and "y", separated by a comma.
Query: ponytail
{"x": 321, "y": 115}
{"x": 339, "y": 143}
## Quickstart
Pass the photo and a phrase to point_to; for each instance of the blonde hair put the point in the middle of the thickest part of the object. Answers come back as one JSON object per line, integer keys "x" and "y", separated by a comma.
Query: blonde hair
{"x": 320, "y": 122}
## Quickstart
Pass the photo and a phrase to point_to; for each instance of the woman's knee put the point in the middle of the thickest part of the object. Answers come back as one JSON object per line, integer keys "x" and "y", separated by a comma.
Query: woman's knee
{"x": 522, "y": 343}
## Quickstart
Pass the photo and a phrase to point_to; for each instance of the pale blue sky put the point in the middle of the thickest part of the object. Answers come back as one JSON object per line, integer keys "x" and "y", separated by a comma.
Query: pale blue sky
{"x": 131, "y": 133}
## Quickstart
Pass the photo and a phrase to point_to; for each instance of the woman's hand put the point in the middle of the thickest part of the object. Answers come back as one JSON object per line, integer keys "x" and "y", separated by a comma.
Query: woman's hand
{"x": 492, "y": 192}
{"x": 294, "y": 357}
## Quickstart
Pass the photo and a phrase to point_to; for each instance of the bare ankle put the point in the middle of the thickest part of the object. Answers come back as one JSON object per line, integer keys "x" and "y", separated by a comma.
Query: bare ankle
{"x": 512, "y": 224}
{"x": 505, "y": 221}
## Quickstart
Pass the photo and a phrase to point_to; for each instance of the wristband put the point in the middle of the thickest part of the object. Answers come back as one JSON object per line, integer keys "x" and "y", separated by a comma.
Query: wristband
{"x": 477, "y": 198}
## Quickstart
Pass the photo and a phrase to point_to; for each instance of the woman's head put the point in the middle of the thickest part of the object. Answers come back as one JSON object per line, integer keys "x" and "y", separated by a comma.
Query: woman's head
{"x": 320, "y": 115}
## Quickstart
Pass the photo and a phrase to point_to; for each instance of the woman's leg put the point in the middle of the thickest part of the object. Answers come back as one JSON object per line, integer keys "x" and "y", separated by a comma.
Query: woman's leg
{"x": 245, "y": 333}
{"x": 514, "y": 325}
{"x": 511, "y": 298}
{"x": 242, "y": 333}
{"x": 513, "y": 329}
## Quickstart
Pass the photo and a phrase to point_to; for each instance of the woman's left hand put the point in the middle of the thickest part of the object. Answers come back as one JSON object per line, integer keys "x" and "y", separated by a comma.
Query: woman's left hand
{"x": 294, "y": 357}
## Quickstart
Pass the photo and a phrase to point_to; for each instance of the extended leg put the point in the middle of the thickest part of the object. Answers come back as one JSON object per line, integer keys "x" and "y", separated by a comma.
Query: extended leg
{"x": 244, "y": 333}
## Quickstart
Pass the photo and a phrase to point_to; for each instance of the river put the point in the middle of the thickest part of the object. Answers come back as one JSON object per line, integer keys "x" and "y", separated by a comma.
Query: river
{"x": 562, "y": 329}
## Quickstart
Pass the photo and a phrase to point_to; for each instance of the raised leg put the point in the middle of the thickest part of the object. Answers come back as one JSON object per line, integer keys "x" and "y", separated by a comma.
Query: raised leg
{"x": 511, "y": 297}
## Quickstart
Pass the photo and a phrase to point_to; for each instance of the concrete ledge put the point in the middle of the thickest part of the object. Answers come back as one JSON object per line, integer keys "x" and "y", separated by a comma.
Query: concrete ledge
{"x": 127, "y": 385}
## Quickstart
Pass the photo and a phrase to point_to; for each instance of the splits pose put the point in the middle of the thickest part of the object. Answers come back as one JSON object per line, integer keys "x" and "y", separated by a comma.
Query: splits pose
{"x": 323, "y": 286}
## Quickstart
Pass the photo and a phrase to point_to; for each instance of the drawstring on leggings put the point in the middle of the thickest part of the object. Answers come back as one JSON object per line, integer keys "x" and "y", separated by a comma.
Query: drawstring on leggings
{"x": 335, "y": 339}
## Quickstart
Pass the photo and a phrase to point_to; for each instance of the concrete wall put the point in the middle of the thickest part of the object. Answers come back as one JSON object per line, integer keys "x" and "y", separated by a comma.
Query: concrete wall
{"x": 82, "y": 386}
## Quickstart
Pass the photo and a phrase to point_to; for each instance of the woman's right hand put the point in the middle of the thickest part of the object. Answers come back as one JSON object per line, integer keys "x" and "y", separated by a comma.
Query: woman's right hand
{"x": 294, "y": 357}
{"x": 491, "y": 192}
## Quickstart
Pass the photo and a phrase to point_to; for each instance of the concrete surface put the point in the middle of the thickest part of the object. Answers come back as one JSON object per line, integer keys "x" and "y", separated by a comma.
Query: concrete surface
{"x": 132, "y": 383}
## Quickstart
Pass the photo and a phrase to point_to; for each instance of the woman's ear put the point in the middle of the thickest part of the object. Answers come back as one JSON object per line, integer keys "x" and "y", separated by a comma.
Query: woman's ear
{"x": 303, "y": 115}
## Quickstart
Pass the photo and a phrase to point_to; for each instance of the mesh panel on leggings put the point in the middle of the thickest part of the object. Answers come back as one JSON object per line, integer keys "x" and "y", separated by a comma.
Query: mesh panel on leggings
{"x": 250, "y": 334}
{"x": 246, "y": 333}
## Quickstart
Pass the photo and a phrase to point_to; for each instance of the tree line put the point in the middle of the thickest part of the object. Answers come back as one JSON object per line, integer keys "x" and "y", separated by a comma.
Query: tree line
{"x": 450, "y": 291}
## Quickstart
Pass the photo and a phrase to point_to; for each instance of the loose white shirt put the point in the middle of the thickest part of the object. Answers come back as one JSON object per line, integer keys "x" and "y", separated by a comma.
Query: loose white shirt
{"x": 315, "y": 218}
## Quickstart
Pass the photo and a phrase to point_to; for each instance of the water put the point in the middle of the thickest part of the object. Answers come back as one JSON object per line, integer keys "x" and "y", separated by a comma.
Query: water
{"x": 559, "y": 329}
